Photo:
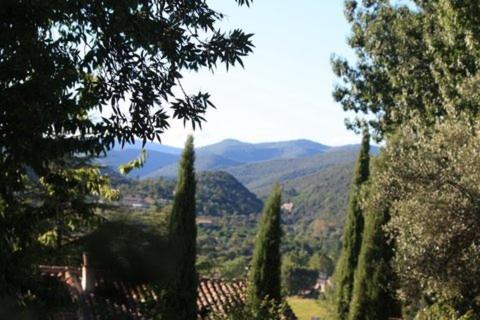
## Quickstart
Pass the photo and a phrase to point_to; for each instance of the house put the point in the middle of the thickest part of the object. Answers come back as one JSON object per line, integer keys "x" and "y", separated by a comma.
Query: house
{"x": 134, "y": 201}
{"x": 98, "y": 297}
{"x": 323, "y": 283}
{"x": 287, "y": 207}
{"x": 205, "y": 223}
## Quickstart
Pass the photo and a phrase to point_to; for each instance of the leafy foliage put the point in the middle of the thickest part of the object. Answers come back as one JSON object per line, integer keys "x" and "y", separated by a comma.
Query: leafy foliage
{"x": 295, "y": 280}
{"x": 131, "y": 253}
{"x": 133, "y": 164}
{"x": 434, "y": 192}
{"x": 416, "y": 80}
{"x": 322, "y": 263}
{"x": 58, "y": 206}
{"x": 414, "y": 62}
{"x": 443, "y": 311}
{"x": 78, "y": 77}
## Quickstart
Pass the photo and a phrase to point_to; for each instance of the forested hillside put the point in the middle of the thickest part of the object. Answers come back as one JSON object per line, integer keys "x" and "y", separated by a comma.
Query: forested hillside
{"x": 218, "y": 194}
{"x": 316, "y": 185}
{"x": 322, "y": 196}
{"x": 258, "y": 177}
{"x": 316, "y": 180}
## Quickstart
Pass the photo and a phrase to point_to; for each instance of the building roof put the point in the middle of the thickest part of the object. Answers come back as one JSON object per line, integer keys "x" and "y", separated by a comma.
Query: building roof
{"x": 288, "y": 207}
{"x": 116, "y": 299}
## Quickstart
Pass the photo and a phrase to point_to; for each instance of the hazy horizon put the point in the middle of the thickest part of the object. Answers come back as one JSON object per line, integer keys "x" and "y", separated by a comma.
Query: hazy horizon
{"x": 180, "y": 147}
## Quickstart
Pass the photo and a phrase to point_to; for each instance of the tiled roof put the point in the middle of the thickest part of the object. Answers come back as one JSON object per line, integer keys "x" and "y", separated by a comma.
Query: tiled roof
{"x": 219, "y": 296}
{"x": 215, "y": 297}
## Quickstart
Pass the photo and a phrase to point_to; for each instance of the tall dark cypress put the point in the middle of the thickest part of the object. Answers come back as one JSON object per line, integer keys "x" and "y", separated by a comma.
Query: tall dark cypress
{"x": 180, "y": 302}
{"x": 352, "y": 238}
{"x": 374, "y": 283}
{"x": 265, "y": 272}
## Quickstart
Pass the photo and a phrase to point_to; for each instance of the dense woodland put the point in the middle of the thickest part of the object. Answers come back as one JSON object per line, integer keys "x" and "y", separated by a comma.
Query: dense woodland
{"x": 228, "y": 215}
{"x": 397, "y": 228}
{"x": 416, "y": 77}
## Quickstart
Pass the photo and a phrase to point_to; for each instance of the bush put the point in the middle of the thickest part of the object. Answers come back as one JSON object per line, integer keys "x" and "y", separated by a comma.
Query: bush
{"x": 444, "y": 311}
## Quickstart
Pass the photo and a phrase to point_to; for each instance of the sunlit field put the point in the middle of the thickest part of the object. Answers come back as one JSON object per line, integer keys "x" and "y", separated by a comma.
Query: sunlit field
{"x": 305, "y": 309}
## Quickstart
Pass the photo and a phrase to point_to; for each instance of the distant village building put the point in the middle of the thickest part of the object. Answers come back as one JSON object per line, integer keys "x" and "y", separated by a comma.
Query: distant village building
{"x": 99, "y": 297}
{"x": 323, "y": 283}
{"x": 134, "y": 201}
{"x": 206, "y": 223}
{"x": 288, "y": 207}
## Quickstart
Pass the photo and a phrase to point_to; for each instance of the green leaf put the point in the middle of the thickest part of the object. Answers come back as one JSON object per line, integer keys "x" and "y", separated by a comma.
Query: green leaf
{"x": 134, "y": 164}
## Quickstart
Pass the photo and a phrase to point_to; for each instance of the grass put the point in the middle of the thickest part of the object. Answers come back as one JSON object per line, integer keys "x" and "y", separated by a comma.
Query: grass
{"x": 305, "y": 309}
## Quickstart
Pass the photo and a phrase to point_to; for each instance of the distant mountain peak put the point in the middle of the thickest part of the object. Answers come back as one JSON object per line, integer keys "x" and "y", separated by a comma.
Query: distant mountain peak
{"x": 149, "y": 146}
{"x": 236, "y": 141}
{"x": 308, "y": 142}
{"x": 229, "y": 142}
{"x": 226, "y": 154}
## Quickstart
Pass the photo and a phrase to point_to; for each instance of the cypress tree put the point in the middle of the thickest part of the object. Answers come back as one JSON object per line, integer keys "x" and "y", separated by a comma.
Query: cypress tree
{"x": 265, "y": 272}
{"x": 373, "y": 290}
{"x": 352, "y": 238}
{"x": 181, "y": 297}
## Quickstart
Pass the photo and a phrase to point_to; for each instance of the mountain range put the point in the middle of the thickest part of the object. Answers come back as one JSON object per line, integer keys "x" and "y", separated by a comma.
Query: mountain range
{"x": 163, "y": 160}
{"x": 315, "y": 178}
{"x": 297, "y": 164}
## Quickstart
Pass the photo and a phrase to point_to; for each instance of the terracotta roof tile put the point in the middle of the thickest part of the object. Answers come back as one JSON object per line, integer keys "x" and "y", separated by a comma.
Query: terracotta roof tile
{"x": 215, "y": 296}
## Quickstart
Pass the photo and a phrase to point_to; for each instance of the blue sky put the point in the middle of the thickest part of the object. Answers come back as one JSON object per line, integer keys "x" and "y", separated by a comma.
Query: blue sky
{"x": 285, "y": 90}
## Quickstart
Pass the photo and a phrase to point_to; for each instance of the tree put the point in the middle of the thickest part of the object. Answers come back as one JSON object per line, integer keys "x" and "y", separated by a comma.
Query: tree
{"x": 322, "y": 263}
{"x": 181, "y": 299}
{"x": 434, "y": 190}
{"x": 43, "y": 217}
{"x": 296, "y": 279}
{"x": 418, "y": 74}
{"x": 265, "y": 283}
{"x": 416, "y": 61}
{"x": 352, "y": 238}
{"x": 374, "y": 286}
{"x": 78, "y": 77}
{"x": 234, "y": 269}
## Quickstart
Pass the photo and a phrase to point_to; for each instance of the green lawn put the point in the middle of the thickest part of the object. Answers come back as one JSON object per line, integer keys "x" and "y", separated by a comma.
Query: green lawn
{"x": 305, "y": 309}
